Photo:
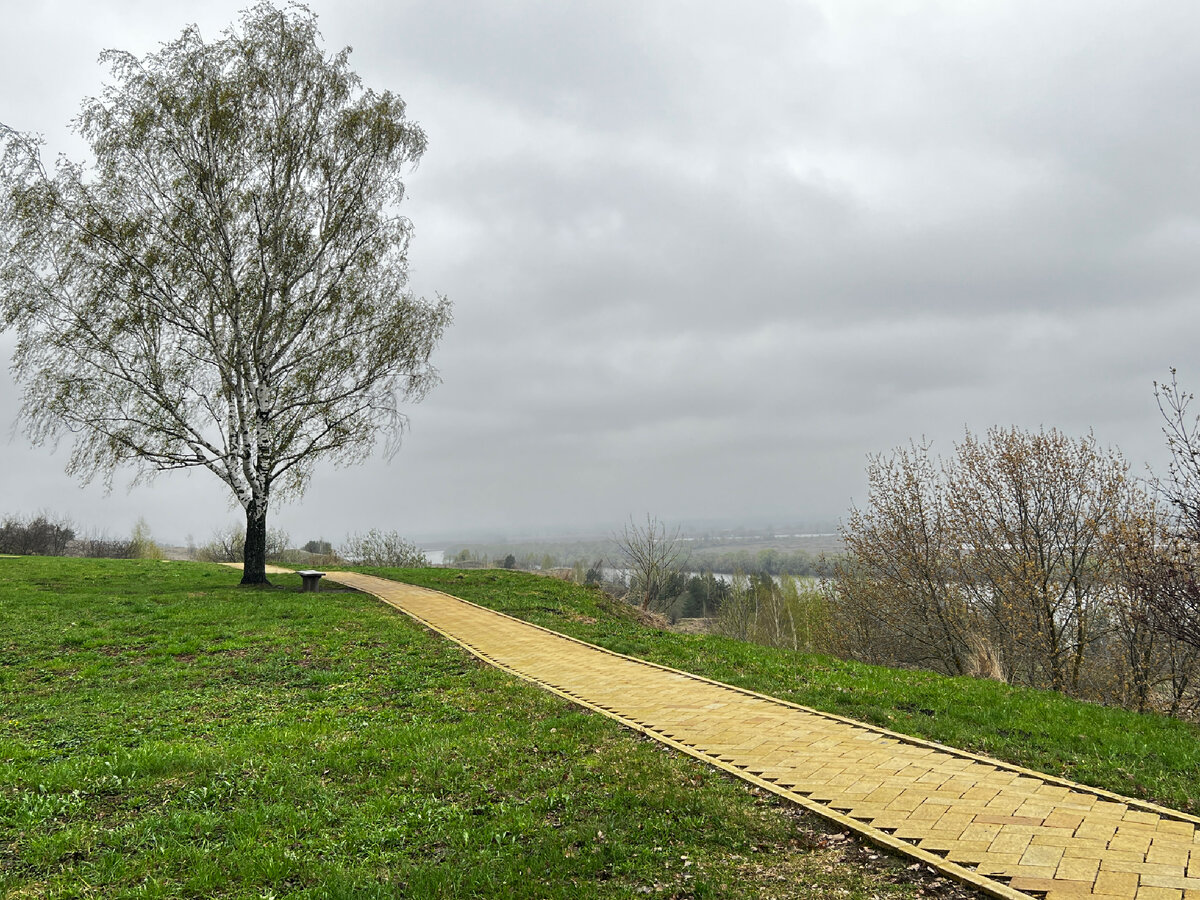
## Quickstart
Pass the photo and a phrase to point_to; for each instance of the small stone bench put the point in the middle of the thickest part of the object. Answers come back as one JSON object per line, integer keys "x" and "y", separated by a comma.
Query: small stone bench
{"x": 311, "y": 580}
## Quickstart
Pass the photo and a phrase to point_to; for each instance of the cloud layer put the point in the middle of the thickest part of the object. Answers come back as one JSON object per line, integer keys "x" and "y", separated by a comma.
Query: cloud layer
{"x": 705, "y": 259}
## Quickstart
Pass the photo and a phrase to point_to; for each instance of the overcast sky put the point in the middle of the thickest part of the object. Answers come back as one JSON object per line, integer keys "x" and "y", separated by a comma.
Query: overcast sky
{"x": 706, "y": 257}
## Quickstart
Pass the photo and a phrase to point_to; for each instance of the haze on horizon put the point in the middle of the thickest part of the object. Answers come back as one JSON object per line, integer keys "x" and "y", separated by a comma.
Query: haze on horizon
{"x": 706, "y": 260}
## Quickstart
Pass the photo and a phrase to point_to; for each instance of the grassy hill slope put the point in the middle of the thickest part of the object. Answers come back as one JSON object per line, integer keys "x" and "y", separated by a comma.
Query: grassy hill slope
{"x": 164, "y": 733}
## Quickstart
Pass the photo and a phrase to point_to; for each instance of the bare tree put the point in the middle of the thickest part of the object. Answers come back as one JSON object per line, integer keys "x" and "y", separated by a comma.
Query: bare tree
{"x": 225, "y": 287}
{"x": 1153, "y": 662}
{"x": 905, "y": 603}
{"x": 998, "y": 554}
{"x": 1175, "y": 609}
{"x": 1031, "y": 510}
{"x": 226, "y": 545}
{"x": 1181, "y": 428}
{"x": 379, "y": 548}
{"x": 776, "y": 613}
{"x": 42, "y": 535}
{"x": 652, "y": 554}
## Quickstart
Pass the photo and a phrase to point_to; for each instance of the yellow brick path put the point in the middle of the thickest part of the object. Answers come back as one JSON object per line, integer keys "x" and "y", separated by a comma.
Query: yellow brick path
{"x": 1012, "y": 832}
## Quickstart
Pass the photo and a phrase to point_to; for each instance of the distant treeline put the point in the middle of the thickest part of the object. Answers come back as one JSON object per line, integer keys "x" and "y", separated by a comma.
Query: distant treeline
{"x": 533, "y": 554}
{"x": 39, "y": 536}
{"x": 49, "y": 535}
{"x": 767, "y": 562}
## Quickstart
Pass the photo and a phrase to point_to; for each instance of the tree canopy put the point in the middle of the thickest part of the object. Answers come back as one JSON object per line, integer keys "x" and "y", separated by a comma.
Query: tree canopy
{"x": 225, "y": 285}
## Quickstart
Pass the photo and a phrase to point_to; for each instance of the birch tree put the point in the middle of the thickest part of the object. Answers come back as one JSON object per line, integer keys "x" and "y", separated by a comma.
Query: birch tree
{"x": 224, "y": 286}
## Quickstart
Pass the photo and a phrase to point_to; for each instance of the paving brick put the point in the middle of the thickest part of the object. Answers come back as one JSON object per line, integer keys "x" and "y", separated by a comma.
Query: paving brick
{"x": 982, "y": 831}
{"x": 1008, "y": 820}
{"x": 1170, "y": 855}
{"x": 1096, "y": 830}
{"x": 1078, "y": 869}
{"x": 981, "y": 793}
{"x": 1158, "y": 893}
{"x": 954, "y": 819}
{"x": 929, "y": 812}
{"x": 1069, "y": 890}
{"x": 967, "y": 851}
{"x": 1048, "y": 838}
{"x": 1116, "y": 884}
{"x": 1130, "y": 843}
{"x": 997, "y": 863}
{"x": 1064, "y": 818}
{"x": 1171, "y": 881}
{"x": 1107, "y": 863}
{"x": 1041, "y": 855}
{"x": 1181, "y": 829}
{"x": 1146, "y": 818}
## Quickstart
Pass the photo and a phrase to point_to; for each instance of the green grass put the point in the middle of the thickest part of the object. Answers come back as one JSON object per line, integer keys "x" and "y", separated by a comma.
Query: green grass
{"x": 1151, "y": 757}
{"x": 165, "y": 733}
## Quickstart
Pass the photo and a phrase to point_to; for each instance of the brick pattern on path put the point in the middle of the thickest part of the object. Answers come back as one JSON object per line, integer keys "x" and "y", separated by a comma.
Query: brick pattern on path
{"x": 1012, "y": 832}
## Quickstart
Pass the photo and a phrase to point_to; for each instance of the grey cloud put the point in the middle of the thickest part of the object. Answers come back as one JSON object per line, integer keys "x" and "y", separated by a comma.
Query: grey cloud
{"x": 706, "y": 258}
{"x": 663, "y": 67}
